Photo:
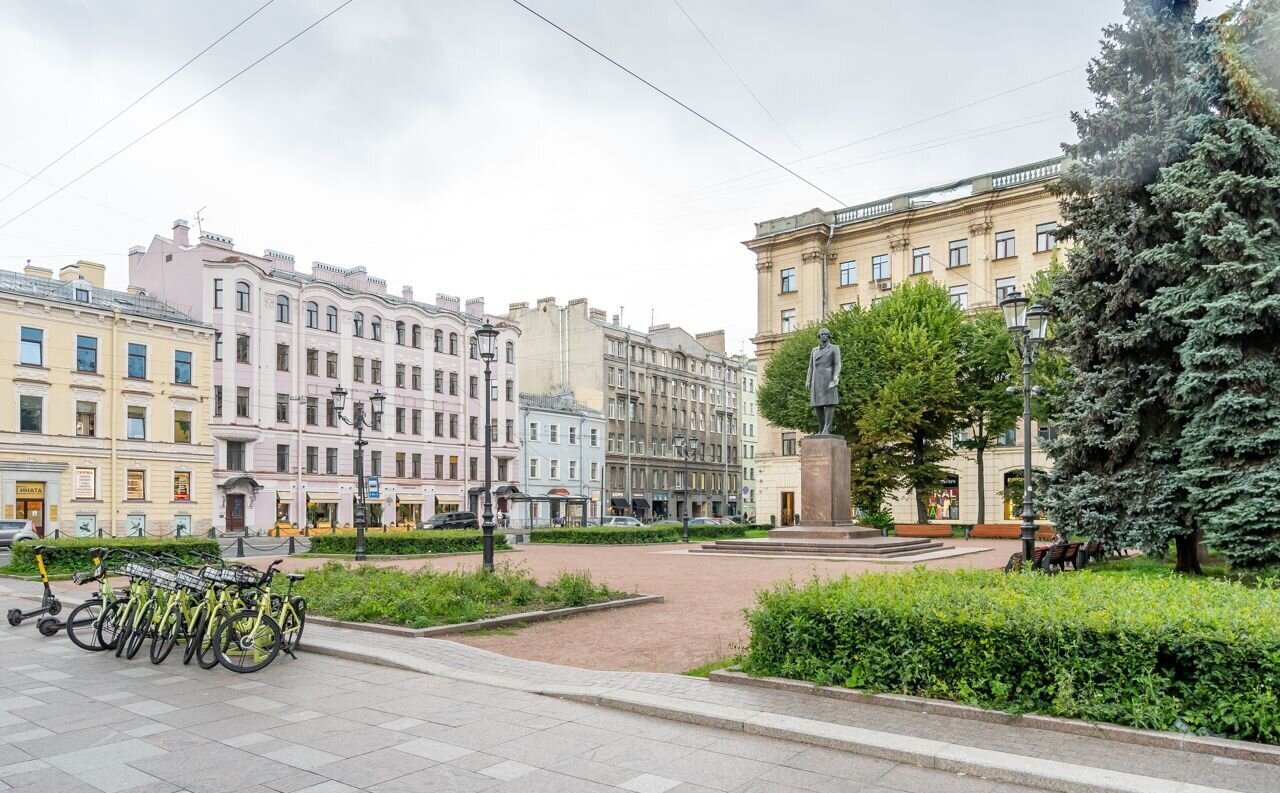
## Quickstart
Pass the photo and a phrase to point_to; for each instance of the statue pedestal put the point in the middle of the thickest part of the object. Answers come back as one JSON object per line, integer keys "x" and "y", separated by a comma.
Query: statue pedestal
{"x": 824, "y": 482}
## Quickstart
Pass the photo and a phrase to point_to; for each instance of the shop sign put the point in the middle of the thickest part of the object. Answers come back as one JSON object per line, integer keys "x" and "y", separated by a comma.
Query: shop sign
{"x": 30, "y": 490}
{"x": 182, "y": 486}
{"x": 85, "y": 485}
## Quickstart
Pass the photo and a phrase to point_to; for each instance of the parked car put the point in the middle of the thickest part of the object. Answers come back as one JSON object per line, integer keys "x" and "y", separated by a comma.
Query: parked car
{"x": 13, "y": 530}
{"x": 620, "y": 520}
{"x": 451, "y": 520}
{"x": 706, "y": 521}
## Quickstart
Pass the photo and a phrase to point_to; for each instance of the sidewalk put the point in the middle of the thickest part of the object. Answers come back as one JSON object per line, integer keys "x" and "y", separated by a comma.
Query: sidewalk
{"x": 1011, "y": 754}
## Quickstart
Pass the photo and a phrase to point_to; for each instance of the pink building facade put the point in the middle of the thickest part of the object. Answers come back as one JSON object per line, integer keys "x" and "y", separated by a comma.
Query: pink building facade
{"x": 284, "y": 340}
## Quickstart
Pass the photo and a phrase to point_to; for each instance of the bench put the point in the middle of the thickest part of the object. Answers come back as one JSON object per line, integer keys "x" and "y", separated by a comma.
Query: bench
{"x": 922, "y": 529}
{"x": 1007, "y": 531}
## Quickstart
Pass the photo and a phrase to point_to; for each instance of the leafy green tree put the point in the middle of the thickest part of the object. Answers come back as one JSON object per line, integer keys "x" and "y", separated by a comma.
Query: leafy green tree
{"x": 1117, "y": 464}
{"x": 899, "y": 399}
{"x": 1051, "y": 370}
{"x": 985, "y": 371}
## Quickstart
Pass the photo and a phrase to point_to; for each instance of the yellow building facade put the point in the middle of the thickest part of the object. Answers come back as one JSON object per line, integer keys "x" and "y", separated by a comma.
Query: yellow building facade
{"x": 979, "y": 238}
{"x": 103, "y": 408}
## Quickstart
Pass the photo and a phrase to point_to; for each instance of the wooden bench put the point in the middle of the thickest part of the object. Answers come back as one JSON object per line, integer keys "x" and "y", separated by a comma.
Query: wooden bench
{"x": 922, "y": 529}
{"x": 1007, "y": 531}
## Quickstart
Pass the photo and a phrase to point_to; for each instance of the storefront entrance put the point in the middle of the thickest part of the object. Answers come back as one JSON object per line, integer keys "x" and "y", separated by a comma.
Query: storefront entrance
{"x": 30, "y": 503}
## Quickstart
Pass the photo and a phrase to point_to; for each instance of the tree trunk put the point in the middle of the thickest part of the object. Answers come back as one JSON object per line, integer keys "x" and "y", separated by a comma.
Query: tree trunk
{"x": 1187, "y": 546}
{"x": 982, "y": 486}
{"x": 922, "y": 502}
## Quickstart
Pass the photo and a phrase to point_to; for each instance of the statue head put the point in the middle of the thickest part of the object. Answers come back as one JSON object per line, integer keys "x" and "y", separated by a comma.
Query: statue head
{"x": 824, "y": 336}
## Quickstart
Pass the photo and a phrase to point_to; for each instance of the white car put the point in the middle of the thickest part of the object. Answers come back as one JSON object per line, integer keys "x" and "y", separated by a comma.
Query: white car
{"x": 13, "y": 530}
{"x": 620, "y": 520}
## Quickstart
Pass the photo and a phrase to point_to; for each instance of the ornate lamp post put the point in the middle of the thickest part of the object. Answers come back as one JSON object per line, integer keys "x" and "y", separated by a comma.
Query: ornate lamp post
{"x": 686, "y": 449}
{"x": 1028, "y": 327}
{"x": 487, "y": 338}
{"x": 360, "y": 422}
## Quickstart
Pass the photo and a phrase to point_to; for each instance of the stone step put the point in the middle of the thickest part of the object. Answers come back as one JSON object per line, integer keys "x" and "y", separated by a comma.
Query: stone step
{"x": 822, "y": 549}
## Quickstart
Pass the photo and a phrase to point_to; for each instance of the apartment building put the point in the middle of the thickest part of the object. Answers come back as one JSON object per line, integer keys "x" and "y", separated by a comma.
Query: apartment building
{"x": 562, "y": 460}
{"x": 980, "y": 238}
{"x": 662, "y": 391}
{"x": 103, "y": 408}
{"x": 748, "y": 425}
{"x": 284, "y": 340}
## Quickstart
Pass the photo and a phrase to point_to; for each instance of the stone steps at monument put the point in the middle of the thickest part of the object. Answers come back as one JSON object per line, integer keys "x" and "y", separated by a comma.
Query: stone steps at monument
{"x": 892, "y": 549}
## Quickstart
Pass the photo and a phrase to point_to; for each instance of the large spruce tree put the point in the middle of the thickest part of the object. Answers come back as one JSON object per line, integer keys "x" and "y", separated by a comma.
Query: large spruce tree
{"x": 1117, "y": 469}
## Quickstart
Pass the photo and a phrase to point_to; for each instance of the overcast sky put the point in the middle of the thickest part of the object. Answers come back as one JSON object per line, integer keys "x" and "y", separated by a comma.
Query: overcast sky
{"x": 466, "y": 147}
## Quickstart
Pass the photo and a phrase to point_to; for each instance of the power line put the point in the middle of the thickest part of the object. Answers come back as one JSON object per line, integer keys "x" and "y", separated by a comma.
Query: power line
{"x": 202, "y": 97}
{"x": 131, "y": 105}
{"x": 737, "y": 76}
{"x": 677, "y": 101}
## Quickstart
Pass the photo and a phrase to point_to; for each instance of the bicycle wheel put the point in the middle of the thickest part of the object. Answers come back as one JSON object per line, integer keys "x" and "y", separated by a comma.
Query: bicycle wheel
{"x": 82, "y": 626}
{"x": 141, "y": 629}
{"x": 166, "y": 633}
{"x": 205, "y": 655}
{"x": 194, "y": 637}
{"x": 123, "y": 624}
{"x": 246, "y": 642}
{"x": 294, "y": 624}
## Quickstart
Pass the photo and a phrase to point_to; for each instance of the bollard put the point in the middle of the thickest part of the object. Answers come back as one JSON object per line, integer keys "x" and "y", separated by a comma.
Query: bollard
{"x": 55, "y": 533}
{"x": 213, "y": 533}
{"x": 292, "y": 548}
{"x": 239, "y": 547}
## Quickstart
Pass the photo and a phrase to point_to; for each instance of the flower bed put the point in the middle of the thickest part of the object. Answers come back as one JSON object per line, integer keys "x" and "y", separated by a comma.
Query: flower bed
{"x": 1159, "y": 652}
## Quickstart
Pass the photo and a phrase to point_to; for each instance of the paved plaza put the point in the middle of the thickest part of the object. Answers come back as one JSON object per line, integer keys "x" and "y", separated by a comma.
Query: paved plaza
{"x": 72, "y": 722}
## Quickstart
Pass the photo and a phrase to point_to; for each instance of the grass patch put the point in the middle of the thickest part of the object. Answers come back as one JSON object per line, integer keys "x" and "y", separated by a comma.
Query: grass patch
{"x": 425, "y": 598}
{"x": 705, "y": 670}
{"x": 1151, "y": 567}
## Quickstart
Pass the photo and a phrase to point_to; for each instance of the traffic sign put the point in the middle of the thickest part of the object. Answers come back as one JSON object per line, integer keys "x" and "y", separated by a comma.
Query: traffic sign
{"x": 371, "y": 487}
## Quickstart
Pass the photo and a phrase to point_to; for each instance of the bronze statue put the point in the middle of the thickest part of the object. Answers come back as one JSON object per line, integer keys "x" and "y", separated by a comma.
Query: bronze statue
{"x": 823, "y": 380}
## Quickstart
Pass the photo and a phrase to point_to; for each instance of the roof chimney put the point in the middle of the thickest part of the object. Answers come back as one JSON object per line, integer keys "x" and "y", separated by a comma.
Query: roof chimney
{"x": 69, "y": 272}
{"x": 475, "y": 306}
{"x": 181, "y": 232}
{"x": 136, "y": 254}
{"x": 36, "y": 271}
{"x": 406, "y": 292}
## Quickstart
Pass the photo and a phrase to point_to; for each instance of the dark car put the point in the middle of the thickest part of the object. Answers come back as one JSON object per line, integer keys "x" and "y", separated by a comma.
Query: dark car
{"x": 451, "y": 520}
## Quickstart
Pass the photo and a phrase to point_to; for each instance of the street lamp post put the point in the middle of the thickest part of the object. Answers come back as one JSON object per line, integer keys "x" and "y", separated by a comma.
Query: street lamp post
{"x": 1027, "y": 326}
{"x": 487, "y": 338}
{"x": 359, "y": 422}
{"x": 686, "y": 450}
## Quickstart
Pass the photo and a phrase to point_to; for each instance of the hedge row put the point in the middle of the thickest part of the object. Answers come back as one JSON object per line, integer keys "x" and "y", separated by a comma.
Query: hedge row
{"x": 407, "y": 543}
{"x": 1168, "y": 652}
{"x": 75, "y": 553}
{"x": 636, "y": 535}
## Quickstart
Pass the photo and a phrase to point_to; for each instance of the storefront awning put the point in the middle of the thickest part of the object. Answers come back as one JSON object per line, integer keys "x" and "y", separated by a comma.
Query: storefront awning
{"x": 506, "y": 490}
{"x": 323, "y": 497}
{"x": 558, "y": 491}
{"x": 452, "y": 502}
{"x": 410, "y": 498}
{"x": 640, "y": 504}
{"x": 620, "y": 503}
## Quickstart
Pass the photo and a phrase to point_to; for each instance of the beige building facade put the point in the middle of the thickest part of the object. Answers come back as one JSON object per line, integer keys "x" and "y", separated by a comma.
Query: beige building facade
{"x": 980, "y": 238}
{"x": 103, "y": 408}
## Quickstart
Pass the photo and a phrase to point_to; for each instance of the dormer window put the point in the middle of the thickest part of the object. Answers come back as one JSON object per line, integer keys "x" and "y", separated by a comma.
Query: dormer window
{"x": 82, "y": 295}
{"x": 80, "y": 289}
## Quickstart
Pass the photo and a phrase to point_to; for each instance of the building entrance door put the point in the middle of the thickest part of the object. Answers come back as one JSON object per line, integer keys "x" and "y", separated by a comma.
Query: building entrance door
{"x": 788, "y": 507}
{"x": 32, "y": 509}
{"x": 235, "y": 512}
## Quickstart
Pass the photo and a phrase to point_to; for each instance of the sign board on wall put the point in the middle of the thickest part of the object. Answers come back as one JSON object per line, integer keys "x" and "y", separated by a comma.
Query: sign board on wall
{"x": 182, "y": 486}
{"x": 85, "y": 484}
{"x": 29, "y": 490}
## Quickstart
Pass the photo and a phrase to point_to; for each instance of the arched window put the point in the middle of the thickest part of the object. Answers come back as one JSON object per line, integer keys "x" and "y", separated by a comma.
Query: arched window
{"x": 375, "y": 327}
{"x": 331, "y": 319}
{"x": 242, "y": 296}
{"x": 511, "y": 352}
{"x": 417, "y": 337}
{"x": 282, "y": 308}
{"x": 357, "y": 325}
{"x": 313, "y": 314}
{"x": 473, "y": 351}
{"x": 400, "y": 332}
{"x": 453, "y": 344}
{"x": 437, "y": 340}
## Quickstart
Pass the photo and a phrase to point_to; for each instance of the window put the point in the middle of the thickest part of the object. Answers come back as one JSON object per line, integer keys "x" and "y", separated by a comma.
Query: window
{"x": 453, "y": 384}
{"x": 242, "y": 402}
{"x": 416, "y": 419}
{"x": 182, "y": 426}
{"x": 1004, "y": 286}
{"x": 533, "y": 432}
{"x": 511, "y": 431}
{"x": 242, "y": 348}
{"x": 473, "y": 468}
{"x": 82, "y": 295}
{"x": 217, "y": 345}
{"x": 453, "y": 344}
{"x": 331, "y": 319}
{"x": 788, "y": 279}
{"x": 282, "y": 308}
{"x": 439, "y": 424}
{"x": 438, "y": 466}
{"x": 217, "y": 293}
{"x": 788, "y": 320}
{"x": 437, "y": 382}
{"x": 502, "y": 469}
{"x": 554, "y": 469}
{"x": 313, "y": 410}
{"x": 86, "y": 419}
{"x": 399, "y": 375}
{"x": 1005, "y": 246}
{"x": 376, "y": 327}
{"x": 282, "y": 458}
{"x": 357, "y": 369}
{"x": 595, "y": 471}
{"x": 331, "y": 460}
{"x": 553, "y": 433}
{"x": 375, "y": 372}
{"x": 313, "y": 459}
{"x": 331, "y": 364}
{"x": 848, "y": 273}
{"x": 511, "y": 352}
{"x": 453, "y": 467}
{"x": 960, "y": 296}
{"x": 957, "y": 253}
{"x": 313, "y": 314}
{"x": 511, "y": 390}
{"x": 595, "y": 438}
{"x": 86, "y": 353}
{"x": 416, "y": 462}
{"x": 313, "y": 362}
{"x": 920, "y": 260}
{"x": 282, "y": 408}
{"x": 400, "y": 414}
{"x": 573, "y": 469}
{"x": 357, "y": 325}
{"x": 788, "y": 443}
{"x": 533, "y": 467}
{"x": 400, "y": 332}
{"x": 473, "y": 349}
{"x": 453, "y": 425}
{"x": 217, "y": 400}
{"x": 136, "y": 423}
{"x": 135, "y": 487}
{"x": 242, "y": 296}
{"x": 31, "y": 413}
{"x": 1045, "y": 236}
{"x": 437, "y": 340}
{"x": 375, "y": 463}
{"x": 880, "y": 267}
{"x": 473, "y": 428}
{"x": 330, "y": 414}
{"x": 1046, "y": 433}
{"x": 573, "y": 436}
{"x": 282, "y": 357}
{"x": 1007, "y": 438}
{"x": 473, "y": 387}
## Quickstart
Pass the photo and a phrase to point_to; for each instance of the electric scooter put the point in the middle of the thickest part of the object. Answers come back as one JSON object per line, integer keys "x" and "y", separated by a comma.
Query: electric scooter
{"x": 49, "y": 603}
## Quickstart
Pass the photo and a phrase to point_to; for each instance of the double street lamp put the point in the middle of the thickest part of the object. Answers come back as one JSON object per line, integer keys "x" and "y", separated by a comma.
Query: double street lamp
{"x": 360, "y": 422}
{"x": 1028, "y": 325}
{"x": 487, "y": 339}
{"x": 686, "y": 449}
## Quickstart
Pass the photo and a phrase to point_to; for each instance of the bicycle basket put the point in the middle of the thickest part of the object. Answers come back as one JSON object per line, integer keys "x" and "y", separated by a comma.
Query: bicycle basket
{"x": 164, "y": 579}
{"x": 136, "y": 570}
{"x": 191, "y": 581}
{"x": 245, "y": 576}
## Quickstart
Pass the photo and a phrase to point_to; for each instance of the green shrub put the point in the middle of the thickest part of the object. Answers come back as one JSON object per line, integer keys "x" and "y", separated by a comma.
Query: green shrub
{"x": 607, "y": 535}
{"x": 1159, "y": 652}
{"x": 407, "y": 543}
{"x": 75, "y": 553}
{"x": 425, "y": 597}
